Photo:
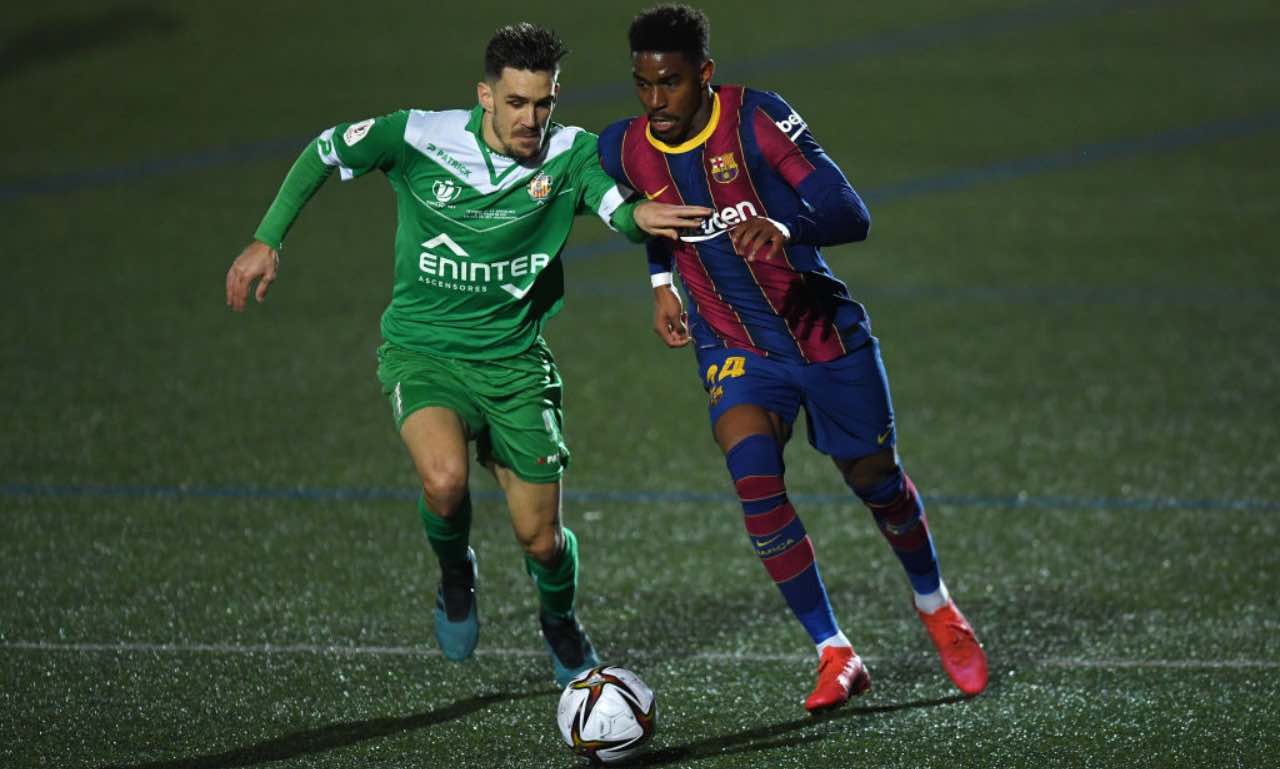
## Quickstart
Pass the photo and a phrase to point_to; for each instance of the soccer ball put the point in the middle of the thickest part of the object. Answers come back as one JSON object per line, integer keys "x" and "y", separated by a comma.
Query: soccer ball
{"x": 606, "y": 714}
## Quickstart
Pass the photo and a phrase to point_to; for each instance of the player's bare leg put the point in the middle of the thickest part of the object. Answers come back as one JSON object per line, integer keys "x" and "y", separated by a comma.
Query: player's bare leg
{"x": 746, "y": 420}
{"x": 551, "y": 558}
{"x": 752, "y": 439}
{"x": 892, "y": 498}
{"x": 437, "y": 441}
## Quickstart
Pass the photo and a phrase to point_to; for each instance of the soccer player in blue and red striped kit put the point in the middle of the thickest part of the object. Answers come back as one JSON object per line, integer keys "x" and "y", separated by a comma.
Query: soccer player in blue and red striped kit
{"x": 773, "y": 328}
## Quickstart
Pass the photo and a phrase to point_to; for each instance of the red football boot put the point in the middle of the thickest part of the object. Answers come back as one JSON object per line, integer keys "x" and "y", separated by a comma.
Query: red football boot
{"x": 841, "y": 675}
{"x": 962, "y": 655}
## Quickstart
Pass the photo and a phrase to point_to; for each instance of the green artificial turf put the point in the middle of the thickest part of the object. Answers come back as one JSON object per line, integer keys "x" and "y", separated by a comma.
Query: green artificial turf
{"x": 209, "y": 550}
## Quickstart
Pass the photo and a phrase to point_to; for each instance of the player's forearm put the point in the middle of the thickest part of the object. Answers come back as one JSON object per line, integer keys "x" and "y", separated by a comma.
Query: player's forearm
{"x": 838, "y": 214}
{"x": 623, "y": 220}
{"x": 305, "y": 177}
{"x": 661, "y": 262}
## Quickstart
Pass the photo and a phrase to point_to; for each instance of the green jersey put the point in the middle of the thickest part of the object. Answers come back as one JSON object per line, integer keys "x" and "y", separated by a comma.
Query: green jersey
{"x": 479, "y": 234}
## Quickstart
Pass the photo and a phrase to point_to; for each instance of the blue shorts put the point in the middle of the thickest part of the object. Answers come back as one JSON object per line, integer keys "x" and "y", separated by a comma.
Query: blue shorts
{"x": 846, "y": 401}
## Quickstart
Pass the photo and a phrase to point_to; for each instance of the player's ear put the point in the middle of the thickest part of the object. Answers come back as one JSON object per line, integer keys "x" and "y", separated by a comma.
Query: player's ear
{"x": 706, "y": 72}
{"x": 485, "y": 96}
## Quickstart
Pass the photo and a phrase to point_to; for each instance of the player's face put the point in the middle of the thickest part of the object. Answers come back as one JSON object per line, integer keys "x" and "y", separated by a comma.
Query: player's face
{"x": 674, "y": 93}
{"x": 518, "y": 109}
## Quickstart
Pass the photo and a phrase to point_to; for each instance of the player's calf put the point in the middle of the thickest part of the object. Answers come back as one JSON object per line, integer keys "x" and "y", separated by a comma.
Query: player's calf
{"x": 899, "y": 513}
{"x": 777, "y": 534}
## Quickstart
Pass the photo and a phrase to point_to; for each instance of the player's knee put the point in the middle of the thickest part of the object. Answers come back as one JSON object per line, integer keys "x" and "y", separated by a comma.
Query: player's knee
{"x": 445, "y": 489}
{"x": 869, "y": 472}
{"x": 543, "y": 545}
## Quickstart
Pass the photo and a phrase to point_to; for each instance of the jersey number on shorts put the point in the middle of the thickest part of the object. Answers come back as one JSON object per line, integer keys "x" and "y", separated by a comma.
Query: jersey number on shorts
{"x": 734, "y": 366}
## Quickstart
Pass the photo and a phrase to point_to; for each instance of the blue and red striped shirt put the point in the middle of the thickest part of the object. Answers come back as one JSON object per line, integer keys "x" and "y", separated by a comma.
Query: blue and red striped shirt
{"x": 756, "y": 157}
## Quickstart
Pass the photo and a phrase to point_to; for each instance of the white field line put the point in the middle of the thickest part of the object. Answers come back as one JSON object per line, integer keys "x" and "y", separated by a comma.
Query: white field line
{"x": 334, "y": 650}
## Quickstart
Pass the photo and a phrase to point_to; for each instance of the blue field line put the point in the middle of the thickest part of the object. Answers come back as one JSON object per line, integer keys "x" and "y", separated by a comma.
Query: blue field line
{"x": 626, "y": 496}
{"x": 201, "y": 160}
{"x": 1172, "y": 140}
{"x": 921, "y": 37}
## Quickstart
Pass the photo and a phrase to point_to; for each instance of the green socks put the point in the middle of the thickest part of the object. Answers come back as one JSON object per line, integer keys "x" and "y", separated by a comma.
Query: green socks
{"x": 449, "y": 537}
{"x": 557, "y": 585}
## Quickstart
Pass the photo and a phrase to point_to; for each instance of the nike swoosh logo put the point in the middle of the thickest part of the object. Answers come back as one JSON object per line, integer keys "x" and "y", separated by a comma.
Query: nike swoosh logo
{"x": 654, "y": 195}
{"x": 769, "y": 541}
{"x": 700, "y": 238}
{"x": 884, "y": 436}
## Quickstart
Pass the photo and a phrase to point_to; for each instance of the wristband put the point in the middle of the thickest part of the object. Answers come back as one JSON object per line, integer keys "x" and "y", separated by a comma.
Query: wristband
{"x": 659, "y": 279}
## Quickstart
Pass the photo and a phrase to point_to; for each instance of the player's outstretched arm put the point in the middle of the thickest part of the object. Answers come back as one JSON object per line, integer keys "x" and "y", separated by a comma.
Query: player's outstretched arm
{"x": 666, "y": 221}
{"x": 350, "y": 148}
{"x": 260, "y": 260}
{"x": 257, "y": 262}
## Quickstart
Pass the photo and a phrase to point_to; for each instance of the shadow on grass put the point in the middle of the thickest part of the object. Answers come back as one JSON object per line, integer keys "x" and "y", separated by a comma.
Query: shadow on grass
{"x": 772, "y": 735}
{"x": 67, "y": 38}
{"x": 339, "y": 735}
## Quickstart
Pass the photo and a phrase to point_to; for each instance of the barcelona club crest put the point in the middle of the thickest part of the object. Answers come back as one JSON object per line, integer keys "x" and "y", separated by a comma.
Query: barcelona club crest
{"x": 540, "y": 187}
{"x": 723, "y": 168}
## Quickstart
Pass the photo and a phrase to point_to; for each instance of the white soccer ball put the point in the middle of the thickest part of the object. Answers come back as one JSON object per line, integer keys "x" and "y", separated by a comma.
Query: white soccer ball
{"x": 606, "y": 714}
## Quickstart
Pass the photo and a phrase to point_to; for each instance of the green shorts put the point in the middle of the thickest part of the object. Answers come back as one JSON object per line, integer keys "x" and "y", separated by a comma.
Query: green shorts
{"x": 511, "y": 406}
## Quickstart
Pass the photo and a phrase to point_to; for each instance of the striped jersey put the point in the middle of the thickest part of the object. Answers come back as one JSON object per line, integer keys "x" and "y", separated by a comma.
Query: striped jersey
{"x": 755, "y": 157}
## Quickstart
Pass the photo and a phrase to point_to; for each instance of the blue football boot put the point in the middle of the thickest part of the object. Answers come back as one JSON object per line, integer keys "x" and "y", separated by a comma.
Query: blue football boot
{"x": 570, "y": 648}
{"x": 457, "y": 623}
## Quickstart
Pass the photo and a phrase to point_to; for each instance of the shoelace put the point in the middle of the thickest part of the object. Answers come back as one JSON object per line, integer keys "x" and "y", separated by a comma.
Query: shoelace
{"x": 828, "y": 660}
{"x": 962, "y": 639}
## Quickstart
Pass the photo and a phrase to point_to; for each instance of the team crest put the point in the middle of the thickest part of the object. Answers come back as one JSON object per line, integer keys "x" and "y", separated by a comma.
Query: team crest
{"x": 540, "y": 187}
{"x": 445, "y": 191}
{"x": 724, "y": 168}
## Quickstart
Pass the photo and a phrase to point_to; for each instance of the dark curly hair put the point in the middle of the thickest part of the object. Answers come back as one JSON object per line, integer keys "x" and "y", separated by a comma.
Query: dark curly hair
{"x": 672, "y": 28}
{"x": 523, "y": 46}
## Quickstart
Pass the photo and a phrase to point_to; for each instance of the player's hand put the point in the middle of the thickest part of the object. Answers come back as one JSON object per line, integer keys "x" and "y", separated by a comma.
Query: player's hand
{"x": 257, "y": 261}
{"x": 670, "y": 321}
{"x": 666, "y": 221}
{"x": 758, "y": 238}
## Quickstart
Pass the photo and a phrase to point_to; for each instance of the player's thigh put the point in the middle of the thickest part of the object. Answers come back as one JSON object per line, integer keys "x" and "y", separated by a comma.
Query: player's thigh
{"x": 436, "y": 438}
{"x": 521, "y": 401}
{"x": 747, "y": 394}
{"x": 744, "y": 420}
{"x": 848, "y": 409}
{"x": 433, "y": 409}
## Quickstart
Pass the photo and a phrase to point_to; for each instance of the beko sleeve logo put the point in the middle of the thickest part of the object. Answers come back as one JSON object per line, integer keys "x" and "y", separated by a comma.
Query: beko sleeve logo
{"x": 792, "y": 126}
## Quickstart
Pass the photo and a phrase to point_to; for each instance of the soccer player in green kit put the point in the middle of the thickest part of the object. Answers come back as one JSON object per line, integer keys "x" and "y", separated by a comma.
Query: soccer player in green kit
{"x": 485, "y": 202}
